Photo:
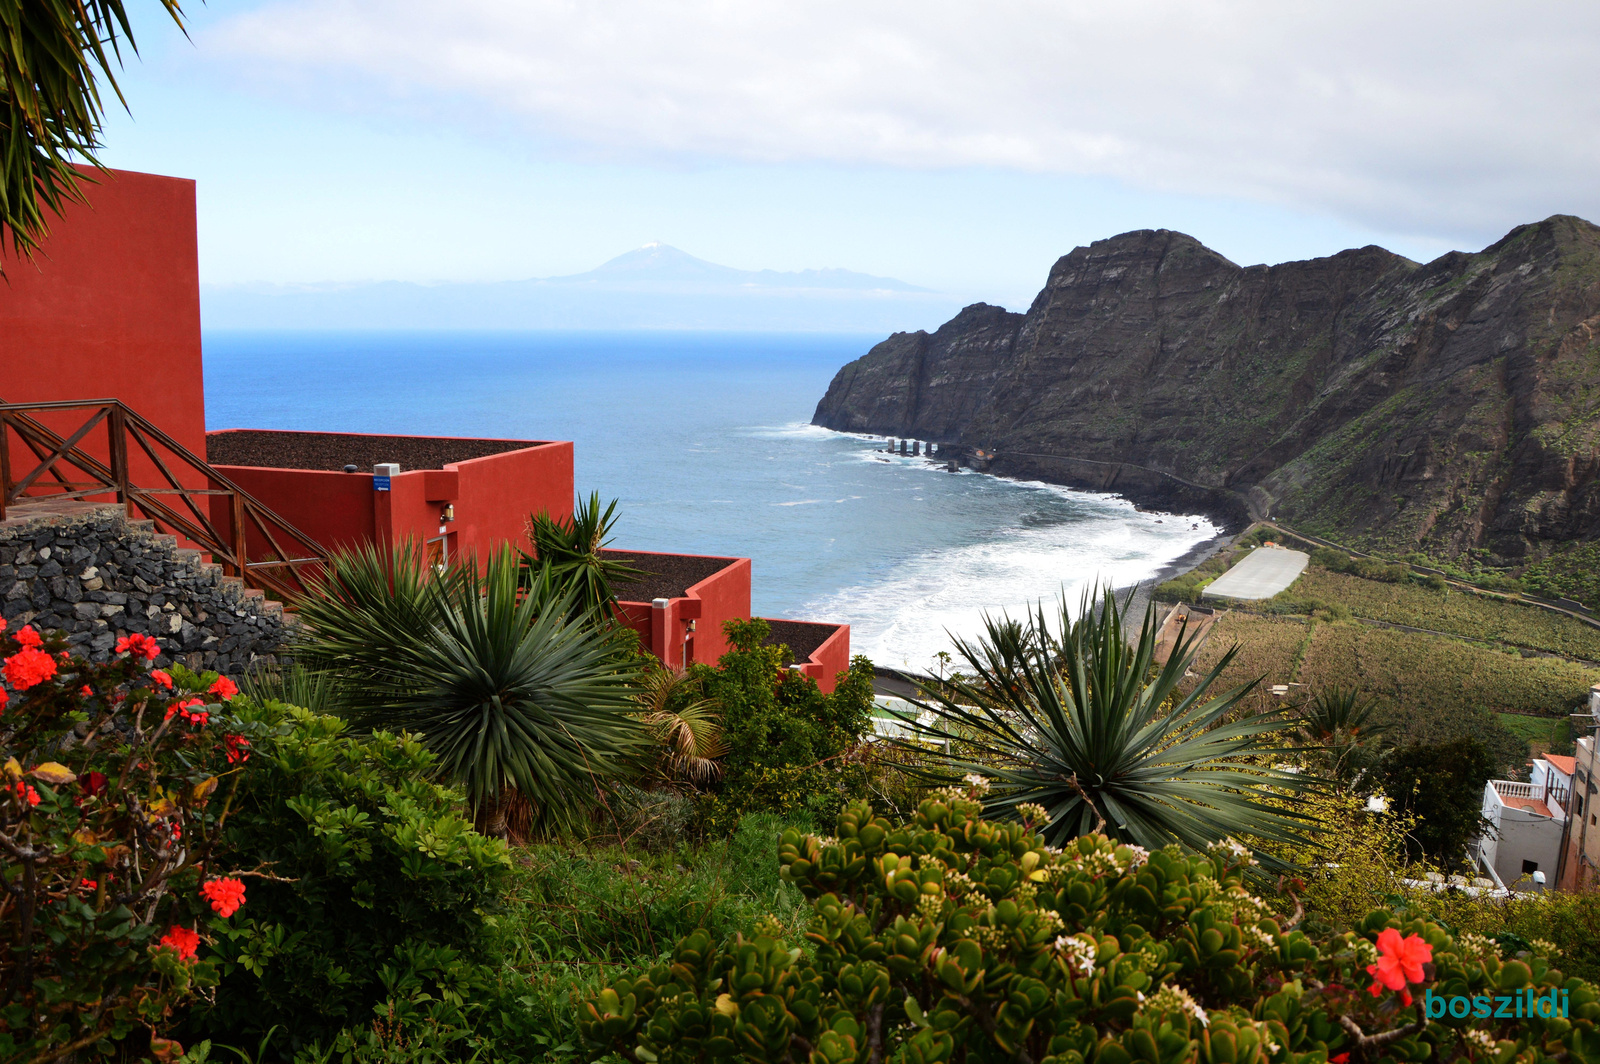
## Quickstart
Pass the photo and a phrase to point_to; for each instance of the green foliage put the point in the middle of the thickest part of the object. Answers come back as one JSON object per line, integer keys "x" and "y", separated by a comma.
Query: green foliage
{"x": 115, "y": 783}
{"x": 1341, "y": 734}
{"x": 786, "y": 740}
{"x": 502, "y": 684}
{"x": 1441, "y": 785}
{"x": 574, "y": 550}
{"x": 1077, "y": 719}
{"x": 949, "y": 938}
{"x": 1572, "y": 572}
{"x": 372, "y": 881}
{"x": 51, "y": 52}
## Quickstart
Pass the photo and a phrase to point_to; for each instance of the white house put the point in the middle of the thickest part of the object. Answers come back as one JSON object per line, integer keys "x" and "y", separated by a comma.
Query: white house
{"x": 1522, "y": 844}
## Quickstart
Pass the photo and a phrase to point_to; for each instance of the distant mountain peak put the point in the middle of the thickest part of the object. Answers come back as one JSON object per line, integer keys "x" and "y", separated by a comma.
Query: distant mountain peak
{"x": 658, "y": 264}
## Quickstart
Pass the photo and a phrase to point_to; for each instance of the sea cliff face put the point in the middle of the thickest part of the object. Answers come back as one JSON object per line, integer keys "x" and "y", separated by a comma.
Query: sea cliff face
{"x": 1446, "y": 407}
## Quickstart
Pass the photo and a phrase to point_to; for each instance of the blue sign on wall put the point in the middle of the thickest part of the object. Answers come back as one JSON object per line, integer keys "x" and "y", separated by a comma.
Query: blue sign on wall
{"x": 380, "y": 483}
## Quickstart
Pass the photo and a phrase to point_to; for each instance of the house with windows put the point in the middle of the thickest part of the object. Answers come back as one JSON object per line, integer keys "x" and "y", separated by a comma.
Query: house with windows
{"x": 1579, "y": 867}
{"x": 1526, "y": 823}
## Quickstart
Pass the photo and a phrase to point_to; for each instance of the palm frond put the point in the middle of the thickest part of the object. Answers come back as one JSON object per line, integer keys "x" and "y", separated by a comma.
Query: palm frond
{"x": 573, "y": 548}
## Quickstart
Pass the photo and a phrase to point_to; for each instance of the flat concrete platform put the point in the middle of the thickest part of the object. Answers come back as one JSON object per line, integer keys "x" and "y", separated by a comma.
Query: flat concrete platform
{"x": 1264, "y": 572}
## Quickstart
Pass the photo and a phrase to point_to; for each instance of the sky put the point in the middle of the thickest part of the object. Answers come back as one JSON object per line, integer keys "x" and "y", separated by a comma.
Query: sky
{"x": 962, "y": 146}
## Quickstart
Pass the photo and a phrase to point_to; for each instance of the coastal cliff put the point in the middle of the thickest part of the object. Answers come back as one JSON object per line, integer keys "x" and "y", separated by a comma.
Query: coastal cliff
{"x": 1447, "y": 408}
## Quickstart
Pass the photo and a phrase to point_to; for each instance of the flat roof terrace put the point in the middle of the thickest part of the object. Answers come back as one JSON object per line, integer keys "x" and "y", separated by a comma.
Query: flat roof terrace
{"x": 665, "y": 576}
{"x": 332, "y": 451}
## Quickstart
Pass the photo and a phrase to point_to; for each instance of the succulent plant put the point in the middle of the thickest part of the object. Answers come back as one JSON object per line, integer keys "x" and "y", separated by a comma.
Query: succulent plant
{"x": 953, "y": 938}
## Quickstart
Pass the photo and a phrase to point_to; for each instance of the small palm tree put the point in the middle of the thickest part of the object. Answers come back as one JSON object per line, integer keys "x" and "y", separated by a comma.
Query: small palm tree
{"x": 574, "y": 549}
{"x": 1340, "y": 734}
{"x": 500, "y": 682}
{"x": 686, "y": 728}
{"x": 1078, "y": 720}
{"x": 51, "y": 52}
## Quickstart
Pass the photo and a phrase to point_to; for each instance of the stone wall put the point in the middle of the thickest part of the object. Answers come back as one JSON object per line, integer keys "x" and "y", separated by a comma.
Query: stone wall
{"x": 98, "y": 576}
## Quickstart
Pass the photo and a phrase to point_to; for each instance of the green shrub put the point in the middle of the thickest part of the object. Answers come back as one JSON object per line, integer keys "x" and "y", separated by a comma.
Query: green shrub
{"x": 785, "y": 738}
{"x": 115, "y": 781}
{"x": 371, "y": 878}
{"x": 1441, "y": 784}
{"x": 952, "y": 939}
{"x": 1328, "y": 558}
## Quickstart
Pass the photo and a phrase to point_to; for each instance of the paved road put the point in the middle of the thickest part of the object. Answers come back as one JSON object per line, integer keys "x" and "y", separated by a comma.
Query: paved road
{"x": 1263, "y": 573}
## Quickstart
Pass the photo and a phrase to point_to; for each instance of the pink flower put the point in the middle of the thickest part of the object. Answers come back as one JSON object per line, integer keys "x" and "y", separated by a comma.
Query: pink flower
{"x": 1400, "y": 962}
{"x": 29, "y": 666}
{"x": 225, "y": 895}
{"x": 161, "y": 677}
{"x": 224, "y": 688}
{"x": 185, "y": 941}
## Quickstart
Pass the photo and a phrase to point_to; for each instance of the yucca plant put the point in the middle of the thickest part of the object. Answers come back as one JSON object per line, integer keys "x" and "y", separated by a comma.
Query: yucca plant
{"x": 1076, "y": 718}
{"x": 502, "y": 684}
{"x": 1340, "y": 733}
{"x": 51, "y": 53}
{"x": 574, "y": 549}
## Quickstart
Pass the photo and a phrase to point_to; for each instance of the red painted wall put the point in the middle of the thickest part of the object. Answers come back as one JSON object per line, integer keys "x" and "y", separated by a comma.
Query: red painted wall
{"x": 110, "y": 308}
{"x": 829, "y": 659}
{"x": 722, "y": 596}
{"x": 492, "y": 496}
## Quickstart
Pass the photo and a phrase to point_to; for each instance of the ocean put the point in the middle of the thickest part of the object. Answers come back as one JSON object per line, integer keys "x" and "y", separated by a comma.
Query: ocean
{"x": 704, "y": 438}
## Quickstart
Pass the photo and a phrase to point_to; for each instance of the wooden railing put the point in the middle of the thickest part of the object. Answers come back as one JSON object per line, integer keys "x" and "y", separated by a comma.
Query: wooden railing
{"x": 254, "y": 543}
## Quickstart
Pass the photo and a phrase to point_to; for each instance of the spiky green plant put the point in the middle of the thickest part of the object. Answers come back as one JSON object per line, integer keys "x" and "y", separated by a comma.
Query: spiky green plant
{"x": 574, "y": 549}
{"x": 1341, "y": 734}
{"x": 51, "y": 113}
{"x": 503, "y": 685}
{"x": 1078, "y": 719}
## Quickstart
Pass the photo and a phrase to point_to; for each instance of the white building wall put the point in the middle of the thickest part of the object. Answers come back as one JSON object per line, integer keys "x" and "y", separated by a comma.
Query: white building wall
{"x": 1523, "y": 836}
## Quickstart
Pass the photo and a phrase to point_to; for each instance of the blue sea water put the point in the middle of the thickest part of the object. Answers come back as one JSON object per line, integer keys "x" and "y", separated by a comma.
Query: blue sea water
{"x": 705, "y": 440}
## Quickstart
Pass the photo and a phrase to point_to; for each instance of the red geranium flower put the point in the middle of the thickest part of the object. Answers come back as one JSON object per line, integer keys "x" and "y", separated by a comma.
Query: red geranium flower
{"x": 86, "y": 690}
{"x": 1400, "y": 962}
{"x": 185, "y": 941}
{"x": 161, "y": 677}
{"x": 225, "y": 895}
{"x": 238, "y": 748}
{"x": 25, "y": 793}
{"x": 28, "y": 637}
{"x": 88, "y": 884}
{"x": 29, "y": 666}
{"x": 224, "y": 688}
{"x": 139, "y": 645}
{"x": 4, "y": 698}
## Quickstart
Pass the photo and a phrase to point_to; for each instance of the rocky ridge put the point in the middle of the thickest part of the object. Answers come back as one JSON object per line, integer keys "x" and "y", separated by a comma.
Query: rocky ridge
{"x": 1451, "y": 408}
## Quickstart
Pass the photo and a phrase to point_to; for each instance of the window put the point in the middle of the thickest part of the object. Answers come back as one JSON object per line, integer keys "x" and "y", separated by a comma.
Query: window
{"x": 1529, "y": 867}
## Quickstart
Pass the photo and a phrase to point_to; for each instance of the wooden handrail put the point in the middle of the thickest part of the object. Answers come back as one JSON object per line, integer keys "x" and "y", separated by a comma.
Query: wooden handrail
{"x": 274, "y": 570}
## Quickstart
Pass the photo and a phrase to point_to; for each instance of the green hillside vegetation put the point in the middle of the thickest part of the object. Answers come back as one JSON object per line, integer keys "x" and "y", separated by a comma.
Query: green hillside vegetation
{"x": 1506, "y": 672}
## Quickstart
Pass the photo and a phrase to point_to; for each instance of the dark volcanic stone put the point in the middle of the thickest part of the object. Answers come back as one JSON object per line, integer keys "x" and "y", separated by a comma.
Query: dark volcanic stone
{"x": 1365, "y": 397}
{"x": 801, "y": 637}
{"x": 334, "y": 450}
{"x": 665, "y": 575}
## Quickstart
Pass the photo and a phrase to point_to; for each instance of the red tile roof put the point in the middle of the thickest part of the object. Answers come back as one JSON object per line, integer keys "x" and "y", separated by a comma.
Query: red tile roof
{"x": 1568, "y": 765}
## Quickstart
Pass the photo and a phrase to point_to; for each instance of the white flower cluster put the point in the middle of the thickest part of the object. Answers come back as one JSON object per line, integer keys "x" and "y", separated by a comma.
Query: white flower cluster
{"x": 1079, "y": 951}
{"x": 1541, "y": 946}
{"x": 930, "y": 906}
{"x": 1260, "y": 939}
{"x": 1267, "y": 1044}
{"x": 1175, "y": 999}
{"x": 1234, "y": 851}
{"x": 1471, "y": 944}
{"x": 1051, "y": 920}
{"x": 1034, "y": 813}
{"x": 1479, "y": 1038}
{"x": 1095, "y": 862}
{"x": 978, "y": 783}
{"x": 1240, "y": 905}
{"x": 961, "y": 886}
{"x": 1137, "y": 856}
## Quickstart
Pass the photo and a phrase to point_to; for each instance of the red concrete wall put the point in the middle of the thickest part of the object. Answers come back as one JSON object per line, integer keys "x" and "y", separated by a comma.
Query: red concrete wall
{"x": 722, "y": 596}
{"x": 828, "y": 660}
{"x": 492, "y": 496}
{"x": 110, "y": 308}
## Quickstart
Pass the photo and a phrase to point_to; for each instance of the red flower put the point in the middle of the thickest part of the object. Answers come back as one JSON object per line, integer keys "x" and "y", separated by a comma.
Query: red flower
{"x": 25, "y": 793}
{"x": 140, "y": 645}
{"x": 225, "y": 895}
{"x": 28, "y": 637}
{"x": 29, "y": 666}
{"x": 92, "y": 783}
{"x": 185, "y": 941}
{"x": 238, "y": 748}
{"x": 1400, "y": 962}
{"x": 88, "y": 884}
{"x": 161, "y": 677}
{"x": 190, "y": 713}
{"x": 1340, "y": 1058}
{"x": 224, "y": 688}
{"x": 4, "y": 698}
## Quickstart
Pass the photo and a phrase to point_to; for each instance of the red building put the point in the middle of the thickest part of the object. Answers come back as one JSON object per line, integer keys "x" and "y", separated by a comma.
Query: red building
{"x": 111, "y": 310}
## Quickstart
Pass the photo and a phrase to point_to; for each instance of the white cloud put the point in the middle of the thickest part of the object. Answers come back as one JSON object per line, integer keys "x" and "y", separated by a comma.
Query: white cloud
{"x": 1438, "y": 118}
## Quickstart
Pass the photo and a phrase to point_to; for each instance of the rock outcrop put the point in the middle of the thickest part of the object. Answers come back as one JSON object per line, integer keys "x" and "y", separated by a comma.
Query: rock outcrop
{"x": 1447, "y": 407}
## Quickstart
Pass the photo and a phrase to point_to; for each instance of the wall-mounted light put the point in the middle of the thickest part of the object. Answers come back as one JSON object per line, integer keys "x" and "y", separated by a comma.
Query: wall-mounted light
{"x": 449, "y": 513}
{"x": 692, "y": 625}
